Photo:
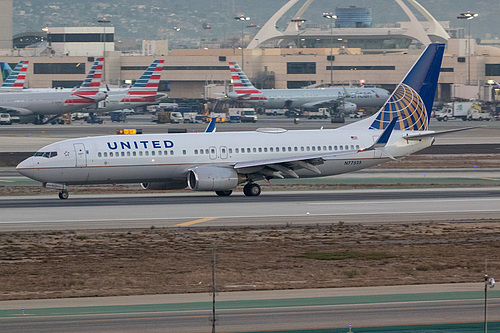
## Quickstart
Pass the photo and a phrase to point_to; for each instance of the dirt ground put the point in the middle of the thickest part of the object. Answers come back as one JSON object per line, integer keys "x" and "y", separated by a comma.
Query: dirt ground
{"x": 151, "y": 261}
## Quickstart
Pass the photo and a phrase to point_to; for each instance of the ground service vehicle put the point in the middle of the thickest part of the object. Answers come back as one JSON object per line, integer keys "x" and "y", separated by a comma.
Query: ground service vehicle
{"x": 248, "y": 116}
{"x": 455, "y": 110}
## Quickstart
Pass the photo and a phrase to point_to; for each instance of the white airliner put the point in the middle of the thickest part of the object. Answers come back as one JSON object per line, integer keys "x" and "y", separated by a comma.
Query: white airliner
{"x": 348, "y": 99}
{"x": 221, "y": 162}
{"x": 36, "y": 104}
{"x": 143, "y": 92}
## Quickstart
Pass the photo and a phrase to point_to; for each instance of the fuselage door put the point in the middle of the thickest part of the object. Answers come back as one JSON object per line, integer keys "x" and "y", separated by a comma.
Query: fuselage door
{"x": 213, "y": 152}
{"x": 223, "y": 152}
{"x": 81, "y": 155}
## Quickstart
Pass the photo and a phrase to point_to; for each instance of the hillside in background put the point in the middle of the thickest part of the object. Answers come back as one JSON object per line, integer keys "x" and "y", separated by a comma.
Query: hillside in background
{"x": 156, "y": 19}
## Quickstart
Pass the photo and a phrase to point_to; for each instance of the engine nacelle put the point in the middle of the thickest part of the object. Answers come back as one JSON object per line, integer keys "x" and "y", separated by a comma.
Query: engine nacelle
{"x": 213, "y": 178}
{"x": 177, "y": 184}
{"x": 347, "y": 107}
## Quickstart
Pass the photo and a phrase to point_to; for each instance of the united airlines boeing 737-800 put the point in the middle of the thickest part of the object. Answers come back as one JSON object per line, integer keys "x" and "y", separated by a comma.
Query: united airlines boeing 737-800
{"x": 349, "y": 99}
{"x": 221, "y": 162}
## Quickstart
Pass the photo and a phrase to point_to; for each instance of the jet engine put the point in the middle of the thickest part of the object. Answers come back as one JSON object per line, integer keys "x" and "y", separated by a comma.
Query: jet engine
{"x": 213, "y": 178}
{"x": 347, "y": 107}
{"x": 177, "y": 184}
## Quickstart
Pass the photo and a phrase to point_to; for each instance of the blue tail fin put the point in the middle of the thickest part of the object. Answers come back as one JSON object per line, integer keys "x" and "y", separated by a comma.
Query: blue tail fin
{"x": 411, "y": 102}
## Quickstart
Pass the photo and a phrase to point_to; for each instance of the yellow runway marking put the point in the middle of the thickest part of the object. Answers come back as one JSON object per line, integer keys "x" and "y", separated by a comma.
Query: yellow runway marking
{"x": 485, "y": 178}
{"x": 185, "y": 224}
{"x": 6, "y": 181}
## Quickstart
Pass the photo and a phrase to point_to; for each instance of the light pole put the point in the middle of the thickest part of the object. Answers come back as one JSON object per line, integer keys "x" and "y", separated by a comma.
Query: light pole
{"x": 104, "y": 21}
{"x": 332, "y": 17}
{"x": 468, "y": 16}
{"x": 242, "y": 18}
{"x": 298, "y": 21}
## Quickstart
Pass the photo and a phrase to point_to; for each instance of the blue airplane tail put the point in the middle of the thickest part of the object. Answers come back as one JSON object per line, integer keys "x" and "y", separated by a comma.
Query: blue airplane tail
{"x": 5, "y": 69}
{"x": 411, "y": 102}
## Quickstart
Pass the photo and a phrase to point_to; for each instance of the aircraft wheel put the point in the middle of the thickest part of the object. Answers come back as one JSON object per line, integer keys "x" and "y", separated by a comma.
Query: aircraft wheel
{"x": 224, "y": 193}
{"x": 63, "y": 195}
{"x": 251, "y": 190}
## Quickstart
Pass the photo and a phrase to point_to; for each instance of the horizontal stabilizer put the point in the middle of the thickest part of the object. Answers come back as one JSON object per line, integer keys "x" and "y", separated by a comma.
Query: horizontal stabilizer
{"x": 432, "y": 134}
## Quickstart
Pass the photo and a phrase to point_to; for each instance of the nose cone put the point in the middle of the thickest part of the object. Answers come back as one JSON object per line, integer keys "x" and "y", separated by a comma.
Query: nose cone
{"x": 25, "y": 168}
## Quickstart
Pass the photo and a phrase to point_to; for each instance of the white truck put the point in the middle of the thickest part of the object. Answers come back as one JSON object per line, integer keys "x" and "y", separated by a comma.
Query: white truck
{"x": 321, "y": 113}
{"x": 248, "y": 115}
{"x": 456, "y": 110}
{"x": 478, "y": 115}
{"x": 5, "y": 119}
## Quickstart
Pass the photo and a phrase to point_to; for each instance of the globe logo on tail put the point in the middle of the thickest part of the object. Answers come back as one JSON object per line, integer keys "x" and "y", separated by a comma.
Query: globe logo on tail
{"x": 407, "y": 105}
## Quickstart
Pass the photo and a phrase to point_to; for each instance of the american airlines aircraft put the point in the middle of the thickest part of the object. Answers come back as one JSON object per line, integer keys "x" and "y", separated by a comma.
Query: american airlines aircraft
{"x": 16, "y": 78}
{"x": 143, "y": 92}
{"x": 35, "y": 104}
{"x": 348, "y": 98}
{"x": 220, "y": 162}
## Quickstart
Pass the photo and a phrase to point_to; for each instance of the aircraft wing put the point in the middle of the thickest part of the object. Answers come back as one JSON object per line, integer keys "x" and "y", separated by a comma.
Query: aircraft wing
{"x": 321, "y": 104}
{"x": 276, "y": 167}
{"x": 15, "y": 111}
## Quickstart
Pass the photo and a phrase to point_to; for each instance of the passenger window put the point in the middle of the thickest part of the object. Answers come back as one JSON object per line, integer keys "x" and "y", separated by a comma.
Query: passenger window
{"x": 140, "y": 153}
{"x": 302, "y": 148}
{"x": 196, "y": 151}
{"x": 352, "y": 147}
{"x": 271, "y": 149}
{"x": 133, "y": 153}
{"x": 357, "y": 146}
{"x": 183, "y": 152}
{"x": 237, "y": 150}
{"x": 128, "y": 153}
{"x": 296, "y": 148}
{"x": 159, "y": 152}
{"x": 171, "y": 152}
{"x": 324, "y": 147}
{"x": 123, "y": 153}
{"x": 105, "y": 154}
{"x": 346, "y": 147}
{"x": 313, "y": 148}
{"x": 319, "y": 148}
{"x": 146, "y": 153}
{"x": 230, "y": 150}
{"x": 206, "y": 151}
{"x": 153, "y": 153}
{"x": 329, "y": 147}
{"x": 335, "y": 147}
{"x": 248, "y": 150}
{"x": 223, "y": 150}
{"x": 308, "y": 148}
{"x": 212, "y": 151}
{"x": 165, "y": 152}
{"x": 289, "y": 148}
{"x": 99, "y": 154}
{"x": 260, "y": 150}
{"x": 111, "y": 154}
{"x": 341, "y": 147}
{"x": 201, "y": 151}
{"x": 254, "y": 150}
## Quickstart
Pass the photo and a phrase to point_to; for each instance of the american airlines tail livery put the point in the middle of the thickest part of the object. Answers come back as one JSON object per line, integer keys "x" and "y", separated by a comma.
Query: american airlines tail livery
{"x": 41, "y": 103}
{"x": 143, "y": 92}
{"x": 16, "y": 78}
{"x": 347, "y": 98}
{"x": 220, "y": 162}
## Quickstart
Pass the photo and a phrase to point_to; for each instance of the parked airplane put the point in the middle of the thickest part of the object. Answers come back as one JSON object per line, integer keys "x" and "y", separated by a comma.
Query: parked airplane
{"x": 221, "y": 162}
{"x": 143, "y": 92}
{"x": 349, "y": 99}
{"x": 35, "y": 105}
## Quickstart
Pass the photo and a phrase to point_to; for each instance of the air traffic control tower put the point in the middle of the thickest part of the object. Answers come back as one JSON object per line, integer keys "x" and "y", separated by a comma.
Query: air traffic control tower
{"x": 6, "y": 15}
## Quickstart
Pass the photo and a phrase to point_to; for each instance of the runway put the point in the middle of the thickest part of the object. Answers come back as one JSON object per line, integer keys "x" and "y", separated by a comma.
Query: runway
{"x": 271, "y": 208}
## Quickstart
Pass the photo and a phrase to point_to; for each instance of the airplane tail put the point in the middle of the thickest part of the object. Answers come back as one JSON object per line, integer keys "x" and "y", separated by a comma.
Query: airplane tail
{"x": 145, "y": 90}
{"x": 89, "y": 89}
{"x": 5, "y": 69}
{"x": 411, "y": 102}
{"x": 16, "y": 78}
{"x": 241, "y": 83}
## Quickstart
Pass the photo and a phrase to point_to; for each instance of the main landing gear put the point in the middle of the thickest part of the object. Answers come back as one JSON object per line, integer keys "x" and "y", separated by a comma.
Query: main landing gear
{"x": 251, "y": 190}
{"x": 63, "y": 195}
{"x": 223, "y": 193}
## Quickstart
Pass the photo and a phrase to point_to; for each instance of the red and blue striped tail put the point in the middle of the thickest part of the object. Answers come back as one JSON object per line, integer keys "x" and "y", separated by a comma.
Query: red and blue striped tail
{"x": 90, "y": 86}
{"x": 411, "y": 102}
{"x": 241, "y": 83}
{"x": 145, "y": 89}
{"x": 17, "y": 77}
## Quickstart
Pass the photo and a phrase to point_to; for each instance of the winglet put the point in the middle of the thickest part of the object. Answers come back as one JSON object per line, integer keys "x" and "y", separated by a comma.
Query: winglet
{"x": 211, "y": 126}
{"x": 383, "y": 139}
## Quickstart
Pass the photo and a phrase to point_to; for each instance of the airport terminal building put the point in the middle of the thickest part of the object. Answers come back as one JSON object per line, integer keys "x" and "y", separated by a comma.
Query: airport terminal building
{"x": 346, "y": 52}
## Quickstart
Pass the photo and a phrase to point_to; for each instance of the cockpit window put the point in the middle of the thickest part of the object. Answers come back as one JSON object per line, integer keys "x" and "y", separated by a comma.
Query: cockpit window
{"x": 46, "y": 154}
